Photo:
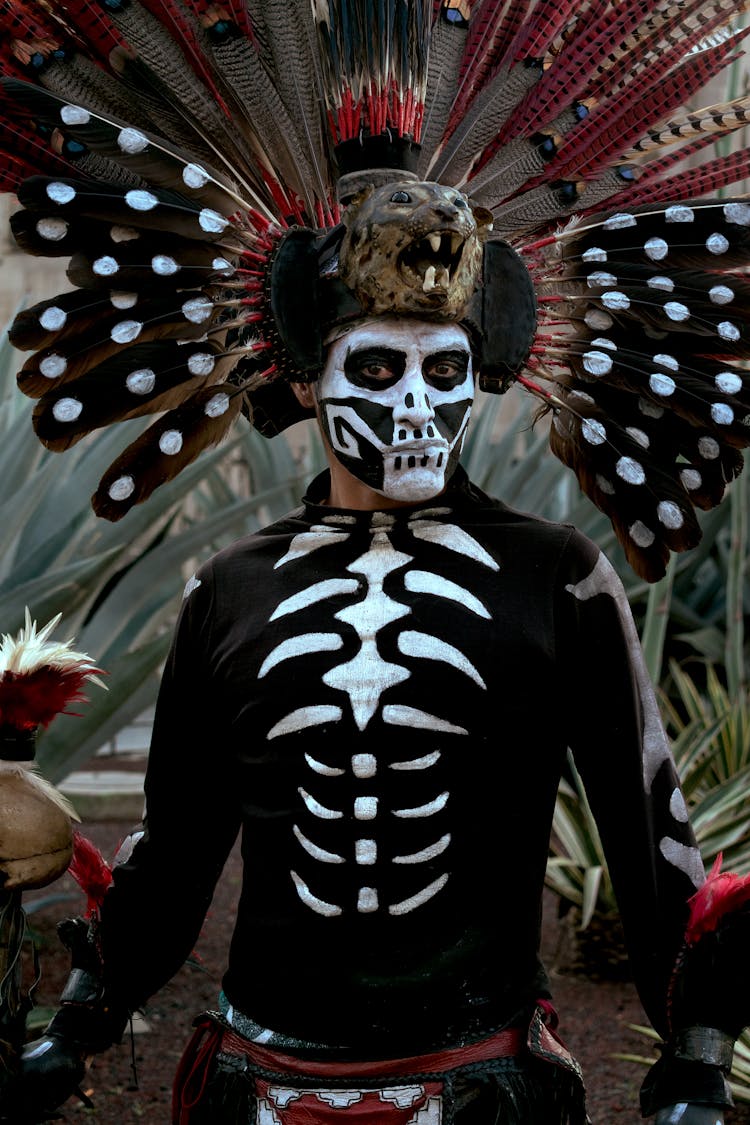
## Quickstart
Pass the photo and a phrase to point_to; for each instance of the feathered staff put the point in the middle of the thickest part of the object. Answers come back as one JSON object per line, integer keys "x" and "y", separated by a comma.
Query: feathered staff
{"x": 39, "y": 679}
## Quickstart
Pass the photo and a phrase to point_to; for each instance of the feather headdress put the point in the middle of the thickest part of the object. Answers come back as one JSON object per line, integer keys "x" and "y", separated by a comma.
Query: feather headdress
{"x": 194, "y": 160}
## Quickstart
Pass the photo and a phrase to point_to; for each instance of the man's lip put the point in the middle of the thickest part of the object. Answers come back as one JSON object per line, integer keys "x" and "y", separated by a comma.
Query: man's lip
{"x": 438, "y": 444}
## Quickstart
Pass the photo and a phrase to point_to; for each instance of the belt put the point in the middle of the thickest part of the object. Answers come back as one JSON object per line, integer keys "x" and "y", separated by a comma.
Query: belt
{"x": 502, "y": 1044}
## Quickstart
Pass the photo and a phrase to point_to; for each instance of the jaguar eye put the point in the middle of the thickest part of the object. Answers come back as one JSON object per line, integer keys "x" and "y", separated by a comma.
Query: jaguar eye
{"x": 459, "y": 201}
{"x": 400, "y": 197}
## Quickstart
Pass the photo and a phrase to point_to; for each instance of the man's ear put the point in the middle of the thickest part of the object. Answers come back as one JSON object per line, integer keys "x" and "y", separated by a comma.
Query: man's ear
{"x": 305, "y": 394}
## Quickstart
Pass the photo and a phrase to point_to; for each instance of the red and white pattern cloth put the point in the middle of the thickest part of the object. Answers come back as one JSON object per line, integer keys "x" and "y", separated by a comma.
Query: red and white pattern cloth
{"x": 419, "y": 1104}
{"x": 288, "y": 1090}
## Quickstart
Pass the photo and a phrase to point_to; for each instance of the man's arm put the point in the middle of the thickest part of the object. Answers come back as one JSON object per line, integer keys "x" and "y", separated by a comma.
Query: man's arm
{"x": 152, "y": 915}
{"x": 620, "y": 749}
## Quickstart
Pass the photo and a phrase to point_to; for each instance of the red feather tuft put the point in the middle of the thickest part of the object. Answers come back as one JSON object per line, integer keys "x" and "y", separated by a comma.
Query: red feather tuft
{"x": 721, "y": 894}
{"x": 32, "y": 699}
{"x": 91, "y": 871}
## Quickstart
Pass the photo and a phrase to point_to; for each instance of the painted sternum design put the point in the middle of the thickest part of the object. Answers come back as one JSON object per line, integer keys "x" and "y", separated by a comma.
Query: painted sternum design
{"x": 371, "y": 812}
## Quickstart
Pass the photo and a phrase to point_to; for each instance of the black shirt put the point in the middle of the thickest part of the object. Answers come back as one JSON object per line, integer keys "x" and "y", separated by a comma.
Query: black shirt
{"x": 382, "y": 703}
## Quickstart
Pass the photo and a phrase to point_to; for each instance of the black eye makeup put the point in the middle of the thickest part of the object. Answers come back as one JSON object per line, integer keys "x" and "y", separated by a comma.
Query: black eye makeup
{"x": 446, "y": 369}
{"x": 374, "y": 368}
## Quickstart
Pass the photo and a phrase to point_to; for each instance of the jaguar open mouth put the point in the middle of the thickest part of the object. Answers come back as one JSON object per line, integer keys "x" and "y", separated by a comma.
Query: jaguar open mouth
{"x": 430, "y": 262}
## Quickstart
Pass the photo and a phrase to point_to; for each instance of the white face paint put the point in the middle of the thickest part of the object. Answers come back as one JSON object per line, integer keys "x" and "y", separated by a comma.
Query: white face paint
{"x": 394, "y": 400}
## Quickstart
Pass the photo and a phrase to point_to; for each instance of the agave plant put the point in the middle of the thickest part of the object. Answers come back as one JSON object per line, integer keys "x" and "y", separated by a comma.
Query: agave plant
{"x": 711, "y": 743}
{"x": 117, "y": 585}
{"x": 577, "y": 868}
{"x": 740, "y": 1076}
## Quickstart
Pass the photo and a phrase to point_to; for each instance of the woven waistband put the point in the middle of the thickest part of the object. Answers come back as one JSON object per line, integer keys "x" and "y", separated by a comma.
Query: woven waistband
{"x": 503, "y": 1044}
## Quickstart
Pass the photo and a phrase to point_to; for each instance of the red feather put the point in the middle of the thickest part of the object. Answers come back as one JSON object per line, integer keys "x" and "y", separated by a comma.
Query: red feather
{"x": 18, "y": 20}
{"x": 90, "y": 23}
{"x": 612, "y": 128}
{"x": 13, "y": 172}
{"x": 721, "y": 894}
{"x": 691, "y": 184}
{"x": 571, "y": 73}
{"x": 91, "y": 871}
{"x": 32, "y": 699}
{"x": 656, "y": 170}
{"x": 492, "y": 27}
{"x": 546, "y": 22}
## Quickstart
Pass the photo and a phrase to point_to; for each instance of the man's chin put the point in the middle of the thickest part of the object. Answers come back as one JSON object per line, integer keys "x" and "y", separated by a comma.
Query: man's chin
{"x": 413, "y": 485}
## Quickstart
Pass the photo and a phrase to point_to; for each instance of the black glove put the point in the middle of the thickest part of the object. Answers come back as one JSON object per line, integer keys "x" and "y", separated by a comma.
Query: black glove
{"x": 684, "y": 1114}
{"x": 711, "y": 983}
{"x": 709, "y": 1005}
{"x": 53, "y": 1066}
{"x": 51, "y": 1069}
{"x": 691, "y": 1072}
{"x": 87, "y": 1016}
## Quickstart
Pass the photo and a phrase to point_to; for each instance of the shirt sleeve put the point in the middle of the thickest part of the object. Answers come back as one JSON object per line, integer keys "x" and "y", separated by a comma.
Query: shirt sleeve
{"x": 620, "y": 749}
{"x": 152, "y": 915}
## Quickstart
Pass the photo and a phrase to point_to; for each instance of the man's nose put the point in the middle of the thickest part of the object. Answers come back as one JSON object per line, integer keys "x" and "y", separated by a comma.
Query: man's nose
{"x": 414, "y": 411}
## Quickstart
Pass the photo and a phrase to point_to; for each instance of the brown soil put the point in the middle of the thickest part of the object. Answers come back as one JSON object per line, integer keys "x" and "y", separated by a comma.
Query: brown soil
{"x": 596, "y": 1016}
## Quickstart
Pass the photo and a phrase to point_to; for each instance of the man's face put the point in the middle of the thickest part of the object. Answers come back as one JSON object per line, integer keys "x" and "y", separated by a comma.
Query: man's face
{"x": 394, "y": 401}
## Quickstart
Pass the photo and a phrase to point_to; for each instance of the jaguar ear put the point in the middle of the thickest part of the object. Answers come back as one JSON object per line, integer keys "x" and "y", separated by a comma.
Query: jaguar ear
{"x": 294, "y": 273}
{"x": 482, "y": 216}
{"x": 505, "y": 309}
{"x": 355, "y": 202}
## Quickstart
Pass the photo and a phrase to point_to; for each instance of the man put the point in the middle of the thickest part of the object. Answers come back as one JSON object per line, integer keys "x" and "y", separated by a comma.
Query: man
{"x": 379, "y": 691}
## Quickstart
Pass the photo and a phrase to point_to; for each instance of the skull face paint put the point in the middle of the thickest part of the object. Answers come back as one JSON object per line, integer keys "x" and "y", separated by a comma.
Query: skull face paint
{"x": 394, "y": 402}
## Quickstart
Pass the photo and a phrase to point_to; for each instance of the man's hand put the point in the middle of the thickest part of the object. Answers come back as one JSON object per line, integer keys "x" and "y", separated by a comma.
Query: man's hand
{"x": 52, "y": 1068}
{"x": 684, "y": 1114}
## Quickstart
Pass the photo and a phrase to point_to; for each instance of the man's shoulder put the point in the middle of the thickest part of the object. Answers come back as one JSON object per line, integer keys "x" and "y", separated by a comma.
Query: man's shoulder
{"x": 494, "y": 511}
{"x": 257, "y": 547}
{"x": 532, "y": 541}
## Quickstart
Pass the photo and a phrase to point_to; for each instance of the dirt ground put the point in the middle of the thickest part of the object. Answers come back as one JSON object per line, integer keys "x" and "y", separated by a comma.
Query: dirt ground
{"x": 595, "y": 1017}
